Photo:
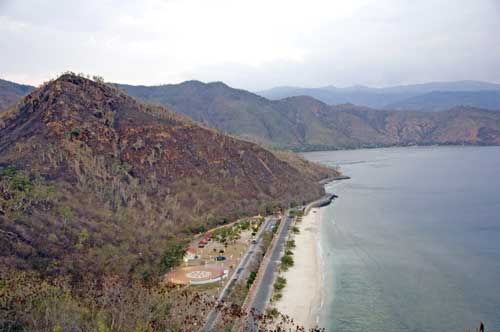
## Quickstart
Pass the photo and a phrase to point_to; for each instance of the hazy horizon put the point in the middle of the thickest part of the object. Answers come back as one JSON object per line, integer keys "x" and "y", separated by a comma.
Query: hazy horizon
{"x": 252, "y": 45}
{"x": 258, "y": 90}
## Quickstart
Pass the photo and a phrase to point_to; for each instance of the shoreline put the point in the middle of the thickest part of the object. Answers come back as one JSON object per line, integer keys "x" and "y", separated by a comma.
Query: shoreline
{"x": 302, "y": 297}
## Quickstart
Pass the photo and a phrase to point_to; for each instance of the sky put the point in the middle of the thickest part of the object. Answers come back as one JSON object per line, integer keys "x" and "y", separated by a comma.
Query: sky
{"x": 253, "y": 45}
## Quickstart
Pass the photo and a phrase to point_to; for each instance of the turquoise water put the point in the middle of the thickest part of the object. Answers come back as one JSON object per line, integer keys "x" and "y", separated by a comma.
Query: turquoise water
{"x": 413, "y": 241}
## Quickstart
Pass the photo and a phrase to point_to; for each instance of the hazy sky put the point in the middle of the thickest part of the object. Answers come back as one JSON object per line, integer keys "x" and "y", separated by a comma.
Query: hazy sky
{"x": 252, "y": 44}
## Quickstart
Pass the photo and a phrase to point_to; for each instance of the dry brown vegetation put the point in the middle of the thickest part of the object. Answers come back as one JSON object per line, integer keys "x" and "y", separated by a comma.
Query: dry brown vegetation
{"x": 304, "y": 123}
{"x": 95, "y": 185}
{"x": 120, "y": 171}
{"x": 113, "y": 304}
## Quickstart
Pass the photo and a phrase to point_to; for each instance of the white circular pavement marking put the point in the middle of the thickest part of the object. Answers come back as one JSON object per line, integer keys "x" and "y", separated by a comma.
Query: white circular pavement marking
{"x": 198, "y": 274}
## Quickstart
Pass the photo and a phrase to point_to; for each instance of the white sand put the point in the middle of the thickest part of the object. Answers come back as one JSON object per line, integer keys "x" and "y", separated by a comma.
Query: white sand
{"x": 302, "y": 295}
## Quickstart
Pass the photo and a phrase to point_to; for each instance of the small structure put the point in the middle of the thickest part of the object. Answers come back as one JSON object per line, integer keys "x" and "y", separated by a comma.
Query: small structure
{"x": 190, "y": 254}
{"x": 203, "y": 242}
{"x": 207, "y": 237}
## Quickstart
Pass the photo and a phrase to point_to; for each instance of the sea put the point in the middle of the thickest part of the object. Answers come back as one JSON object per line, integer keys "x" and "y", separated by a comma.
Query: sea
{"x": 412, "y": 243}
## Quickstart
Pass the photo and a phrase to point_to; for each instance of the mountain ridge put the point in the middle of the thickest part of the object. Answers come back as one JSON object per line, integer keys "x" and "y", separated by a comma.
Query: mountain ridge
{"x": 88, "y": 173}
{"x": 383, "y": 97}
{"x": 437, "y": 101}
{"x": 305, "y": 123}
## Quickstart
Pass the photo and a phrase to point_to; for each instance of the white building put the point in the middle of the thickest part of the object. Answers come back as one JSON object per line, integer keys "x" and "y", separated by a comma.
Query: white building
{"x": 190, "y": 254}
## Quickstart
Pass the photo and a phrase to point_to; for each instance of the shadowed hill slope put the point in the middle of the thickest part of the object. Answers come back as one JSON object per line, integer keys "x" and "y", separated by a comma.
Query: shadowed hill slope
{"x": 90, "y": 176}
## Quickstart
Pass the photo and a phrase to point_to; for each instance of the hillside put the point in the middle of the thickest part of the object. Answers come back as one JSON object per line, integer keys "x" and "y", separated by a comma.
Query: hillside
{"x": 304, "y": 123}
{"x": 11, "y": 93}
{"x": 93, "y": 181}
{"x": 219, "y": 106}
{"x": 414, "y": 97}
{"x": 457, "y": 126}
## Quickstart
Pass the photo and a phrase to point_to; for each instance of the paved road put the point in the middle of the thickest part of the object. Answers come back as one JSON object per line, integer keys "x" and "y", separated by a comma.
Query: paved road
{"x": 265, "y": 289}
{"x": 239, "y": 271}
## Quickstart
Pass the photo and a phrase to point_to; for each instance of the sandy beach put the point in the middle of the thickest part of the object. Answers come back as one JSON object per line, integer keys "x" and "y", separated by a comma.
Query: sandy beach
{"x": 302, "y": 294}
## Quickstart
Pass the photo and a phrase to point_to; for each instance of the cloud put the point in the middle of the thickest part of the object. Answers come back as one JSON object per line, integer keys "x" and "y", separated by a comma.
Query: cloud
{"x": 252, "y": 44}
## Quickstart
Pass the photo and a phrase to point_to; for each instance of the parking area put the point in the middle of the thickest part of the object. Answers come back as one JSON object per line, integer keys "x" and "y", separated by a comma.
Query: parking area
{"x": 212, "y": 257}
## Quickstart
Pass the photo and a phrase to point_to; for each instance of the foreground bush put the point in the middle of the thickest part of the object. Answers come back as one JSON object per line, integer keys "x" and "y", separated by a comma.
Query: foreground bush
{"x": 29, "y": 303}
{"x": 113, "y": 304}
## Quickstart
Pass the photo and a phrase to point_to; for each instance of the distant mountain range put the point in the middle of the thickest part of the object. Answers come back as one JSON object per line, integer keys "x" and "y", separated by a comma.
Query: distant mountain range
{"x": 304, "y": 123}
{"x": 11, "y": 92}
{"x": 443, "y": 100}
{"x": 436, "y": 96}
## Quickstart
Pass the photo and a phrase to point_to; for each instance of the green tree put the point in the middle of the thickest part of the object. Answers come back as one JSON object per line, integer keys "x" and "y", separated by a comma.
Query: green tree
{"x": 174, "y": 252}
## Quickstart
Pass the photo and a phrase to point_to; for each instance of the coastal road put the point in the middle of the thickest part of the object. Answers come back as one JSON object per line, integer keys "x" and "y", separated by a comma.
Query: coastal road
{"x": 264, "y": 291}
{"x": 239, "y": 271}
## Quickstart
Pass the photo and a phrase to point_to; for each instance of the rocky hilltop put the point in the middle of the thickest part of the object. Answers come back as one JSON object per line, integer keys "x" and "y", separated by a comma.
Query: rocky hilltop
{"x": 89, "y": 176}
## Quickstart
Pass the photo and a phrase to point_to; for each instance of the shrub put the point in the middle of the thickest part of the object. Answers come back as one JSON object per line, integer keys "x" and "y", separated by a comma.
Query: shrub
{"x": 74, "y": 133}
{"x": 286, "y": 262}
{"x": 272, "y": 312}
{"x": 245, "y": 225}
{"x": 276, "y": 226}
{"x": 98, "y": 79}
{"x": 251, "y": 278}
{"x": 8, "y": 171}
{"x": 66, "y": 213}
{"x": 280, "y": 283}
{"x": 138, "y": 144}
